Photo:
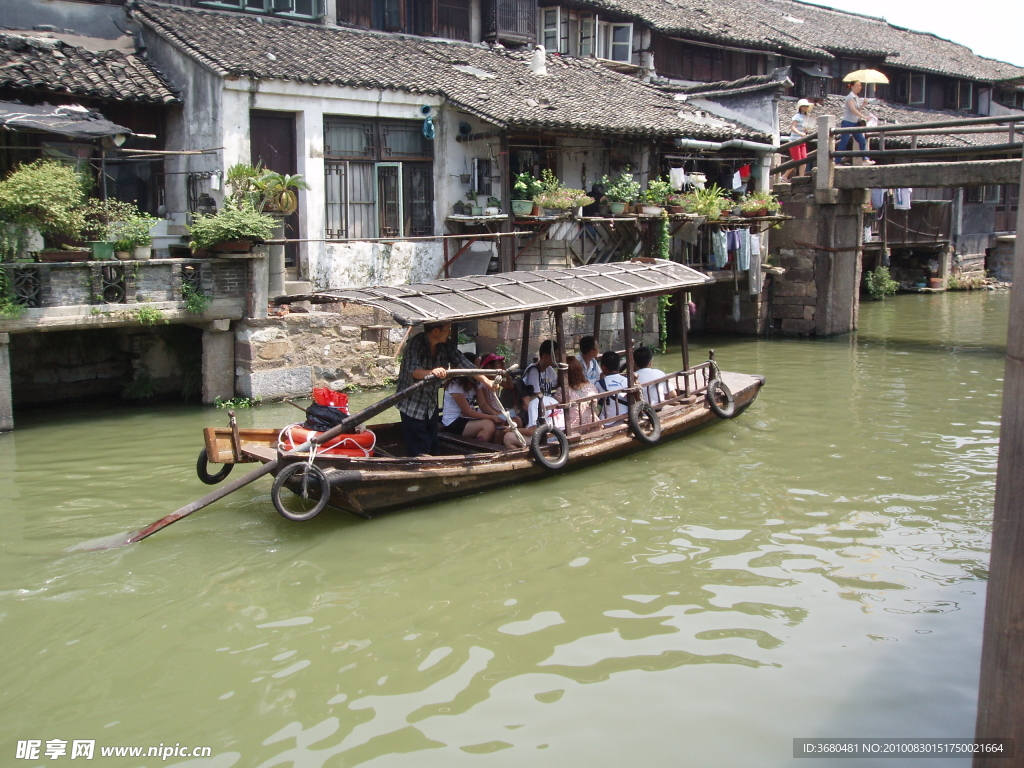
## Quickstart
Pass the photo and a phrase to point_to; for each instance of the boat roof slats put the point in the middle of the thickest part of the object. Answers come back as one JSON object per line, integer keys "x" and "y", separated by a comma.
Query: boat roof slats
{"x": 512, "y": 292}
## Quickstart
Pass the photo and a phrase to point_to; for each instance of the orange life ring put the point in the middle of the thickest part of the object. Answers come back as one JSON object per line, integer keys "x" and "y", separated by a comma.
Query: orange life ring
{"x": 353, "y": 444}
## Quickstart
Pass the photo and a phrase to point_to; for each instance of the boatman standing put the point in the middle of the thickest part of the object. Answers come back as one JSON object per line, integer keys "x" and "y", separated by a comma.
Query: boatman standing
{"x": 427, "y": 354}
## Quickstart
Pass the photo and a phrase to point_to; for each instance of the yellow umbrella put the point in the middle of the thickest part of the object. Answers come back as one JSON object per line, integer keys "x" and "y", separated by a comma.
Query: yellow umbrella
{"x": 866, "y": 76}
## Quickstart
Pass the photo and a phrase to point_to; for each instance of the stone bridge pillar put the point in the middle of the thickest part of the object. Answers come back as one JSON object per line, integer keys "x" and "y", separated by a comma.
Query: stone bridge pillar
{"x": 218, "y": 361}
{"x": 820, "y": 250}
{"x": 6, "y": 401}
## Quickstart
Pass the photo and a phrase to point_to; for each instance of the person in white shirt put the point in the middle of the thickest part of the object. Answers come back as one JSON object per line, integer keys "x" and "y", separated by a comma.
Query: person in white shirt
{"x": 611, "y": 380}
{"x": 654, "y": 393}
{"x": 460, "y": 415}
{"x": 543, "y": 375}
{"x": 589, "y": 353}
{"x": 531, "y": 403}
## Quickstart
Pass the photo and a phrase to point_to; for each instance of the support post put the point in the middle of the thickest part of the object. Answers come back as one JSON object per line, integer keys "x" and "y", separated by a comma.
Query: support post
{"x": 559, "y": 354}
{"x": 524, "y": 349}
{"x": 258, "y": 295}
{"x": 6, "y": 401}
{"x": 597, "y": 325}
{"x": 627, "y": 327}
{"x": 1001, "y": 688}
{"x": 825, "y": 192}
{"x": 275, "y": 262}
{"x": 683, "y": 299}
{"x": 218, "y": 361}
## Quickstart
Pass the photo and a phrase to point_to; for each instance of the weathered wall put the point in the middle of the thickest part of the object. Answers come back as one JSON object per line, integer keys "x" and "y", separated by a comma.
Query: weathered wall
{"x": 281, "y": 356}
{"x": 1000, "y": 259}
{"x": 357, "y": 265}
{"x": 819, "y": 294}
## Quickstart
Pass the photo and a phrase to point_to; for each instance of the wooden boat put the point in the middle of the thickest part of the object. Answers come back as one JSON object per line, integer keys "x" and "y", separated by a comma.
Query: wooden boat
{"x": 385, "y": 479}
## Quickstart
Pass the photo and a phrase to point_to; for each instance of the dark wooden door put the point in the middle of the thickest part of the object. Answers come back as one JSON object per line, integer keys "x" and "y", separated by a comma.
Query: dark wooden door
{"x": 272, "y": 143}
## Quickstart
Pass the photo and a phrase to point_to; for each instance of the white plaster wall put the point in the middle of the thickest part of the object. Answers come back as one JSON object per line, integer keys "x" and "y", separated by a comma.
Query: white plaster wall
{"x": 357, "y": 265}
{"x": 582, "y": 162}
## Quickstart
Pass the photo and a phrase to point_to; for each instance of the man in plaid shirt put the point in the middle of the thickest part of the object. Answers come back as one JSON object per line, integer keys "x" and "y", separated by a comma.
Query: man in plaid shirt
{"x": 428, "y": 354}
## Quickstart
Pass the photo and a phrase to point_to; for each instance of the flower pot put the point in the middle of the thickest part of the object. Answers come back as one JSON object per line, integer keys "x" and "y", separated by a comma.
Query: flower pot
{"x": 123, "y": 255}
{"x": 652, "y": 210}
{"x": 459, "y": 209}
{"x": 101, "y": 250}
{"x": 231, "y": 246}
{"x": 617, "y": 208}
{"x": 676, "y": 209}
{"x": 492, "y": 210}
{"x": 536, "y": 210}
{"x": 464, "y": 178}
{"x": 143, "y": 252}
{"x": 554, "y": 211}
{"x": 522, "y": 207}
{"x": 477, "y": 210}
{"x": 936, "y": 282}
{"x": 56, "y": 255}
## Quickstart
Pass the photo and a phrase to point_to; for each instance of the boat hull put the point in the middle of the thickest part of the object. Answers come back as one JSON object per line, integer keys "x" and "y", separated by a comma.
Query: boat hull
{"x": 372, "y": 487}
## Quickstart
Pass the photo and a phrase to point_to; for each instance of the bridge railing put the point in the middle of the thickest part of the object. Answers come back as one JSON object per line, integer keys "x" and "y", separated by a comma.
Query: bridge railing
{"x": 1010, "y": 125}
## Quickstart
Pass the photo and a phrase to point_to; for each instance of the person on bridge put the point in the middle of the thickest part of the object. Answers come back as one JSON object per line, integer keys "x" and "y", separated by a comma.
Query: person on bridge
{"x": 798, "y": 129}
{"x": 853, "y": 115}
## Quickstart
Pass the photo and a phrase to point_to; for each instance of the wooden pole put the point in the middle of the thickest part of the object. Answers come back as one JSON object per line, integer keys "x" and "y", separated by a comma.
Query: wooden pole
{"x": 524, "y": 350}
{"x": 597, "y": 326}
{"x": 684, "y": 327}
{"x": 559, "y": 353}
{"x": 627, "y": 327}
{"x": 1001, "y": 689}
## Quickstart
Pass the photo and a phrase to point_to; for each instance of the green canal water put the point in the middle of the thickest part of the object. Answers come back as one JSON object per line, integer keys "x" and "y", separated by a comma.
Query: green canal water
{"x": 813, "y": 568}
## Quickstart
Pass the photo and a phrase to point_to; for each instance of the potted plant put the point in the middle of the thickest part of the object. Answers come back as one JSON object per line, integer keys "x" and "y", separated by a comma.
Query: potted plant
{"x": 676, "y": 203}
{"x": 279, "y": 191}
{"x": 557, "y": 202}
{"x": 707, "y": 202}
{"x": 524, "y": 190}
{"x": 475, "y": 209}
{"x": 233, "y": 229}
{"x": 131, "y": 236}
{"x": 99, "y": 215}
{"x": 493, "y": 206}
{"x": 49, "y": 197}
{"x": 620, "y": 192}
{"x": 655, "y": 196}
{"x": 758, "y": 204}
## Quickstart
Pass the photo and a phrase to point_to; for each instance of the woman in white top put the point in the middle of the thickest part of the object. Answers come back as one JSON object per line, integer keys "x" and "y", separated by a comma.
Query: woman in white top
{"x": 460, "y": 415}
{"x": 798, "y": 129}
{"x": 854, "y": 115}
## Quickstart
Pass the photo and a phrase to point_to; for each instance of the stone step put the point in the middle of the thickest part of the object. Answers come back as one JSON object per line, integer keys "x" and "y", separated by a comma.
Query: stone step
{"x": 292, "y": 287}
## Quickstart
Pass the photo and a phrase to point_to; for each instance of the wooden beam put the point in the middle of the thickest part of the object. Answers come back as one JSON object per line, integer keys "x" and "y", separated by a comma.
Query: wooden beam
{"x": 1001, "y": 688}
{"x": 974, "y": 173}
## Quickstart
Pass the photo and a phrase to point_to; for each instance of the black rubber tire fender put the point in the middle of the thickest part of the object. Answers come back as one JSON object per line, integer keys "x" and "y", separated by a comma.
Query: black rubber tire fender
{"x": 317, "y": 481}
{"x": 538, "y": 442}
{"x": 204, "y": 472}
{"x": 636, "y": 411}
{"x": 723, "y": 411}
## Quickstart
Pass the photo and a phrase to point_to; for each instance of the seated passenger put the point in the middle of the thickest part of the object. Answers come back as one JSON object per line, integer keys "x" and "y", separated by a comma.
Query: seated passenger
{"x": 543, "y": 375}
{"x": 653, "y": 393}
{"x": 589, "y": 353}
{"x": 460, "y": 415}
{"x": 610, "y": 381}
{"x": 488, "y": 397}
{"x": 530, "y": 404}
{"x": 583, "y": 413}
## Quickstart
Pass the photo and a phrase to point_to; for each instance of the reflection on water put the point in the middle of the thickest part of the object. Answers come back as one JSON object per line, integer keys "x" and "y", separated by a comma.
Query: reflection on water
{"x": 813, "y": 568}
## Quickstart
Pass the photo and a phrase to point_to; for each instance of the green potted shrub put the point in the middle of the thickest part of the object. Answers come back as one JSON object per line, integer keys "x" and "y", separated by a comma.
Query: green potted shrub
{"x": 526, "y": 188}
{"x": 475, "y": 209}
{"x": 232, "y": 229}
{"x": 656, "y": 196}
{"x": 99, "y": 215}
{"x": 708, "y": 203}
{"x": 279, "y": 192}
{"x": 557, "y": 202}
{"x": 49, "y": 197}
{"x": 759, "y": 204}
{"x": 622, "y": 191}
{"x": 131, "y": 236}
{"x": 493, "y": 206}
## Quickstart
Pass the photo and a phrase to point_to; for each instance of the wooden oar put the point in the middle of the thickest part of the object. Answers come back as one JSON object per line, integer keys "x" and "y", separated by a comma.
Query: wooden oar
{"x": 348, "y": 424}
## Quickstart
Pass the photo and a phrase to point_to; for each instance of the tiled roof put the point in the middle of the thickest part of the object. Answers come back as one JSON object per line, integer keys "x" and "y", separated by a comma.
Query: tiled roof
{"x": 493, "y": 83}
{"x": 895, "y": 114}
{"x": 811, "y": 31}
{"x": 40, "y": 64}
{"x": 778, "y": 78}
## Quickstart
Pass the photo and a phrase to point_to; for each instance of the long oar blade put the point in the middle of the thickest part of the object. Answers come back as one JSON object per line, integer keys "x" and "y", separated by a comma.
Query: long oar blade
{"x": 121, "y": 539}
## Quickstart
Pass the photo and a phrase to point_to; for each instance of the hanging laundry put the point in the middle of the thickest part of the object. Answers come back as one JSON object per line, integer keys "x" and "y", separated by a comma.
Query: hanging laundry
{"x": 745, "y": 172}
{"x": 903, "y": 195}
{"x": 754, "y": 271}
{"x": 677, "y": 178}
{"x": 732, "y": 240}
{"x": 737, "y": 181}
{"x": 719, "y": 242}
{"x": 877, "y": 198}
{"x": 743, "y": 252}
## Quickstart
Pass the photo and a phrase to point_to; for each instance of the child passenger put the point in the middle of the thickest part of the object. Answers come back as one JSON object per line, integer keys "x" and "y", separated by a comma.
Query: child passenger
{"x": 610, "y": 381}
{"x": 654, "y": 393}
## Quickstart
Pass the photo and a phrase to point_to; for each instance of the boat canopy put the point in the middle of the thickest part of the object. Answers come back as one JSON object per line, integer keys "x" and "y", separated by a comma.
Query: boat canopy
{"x": 468, "y": 298}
